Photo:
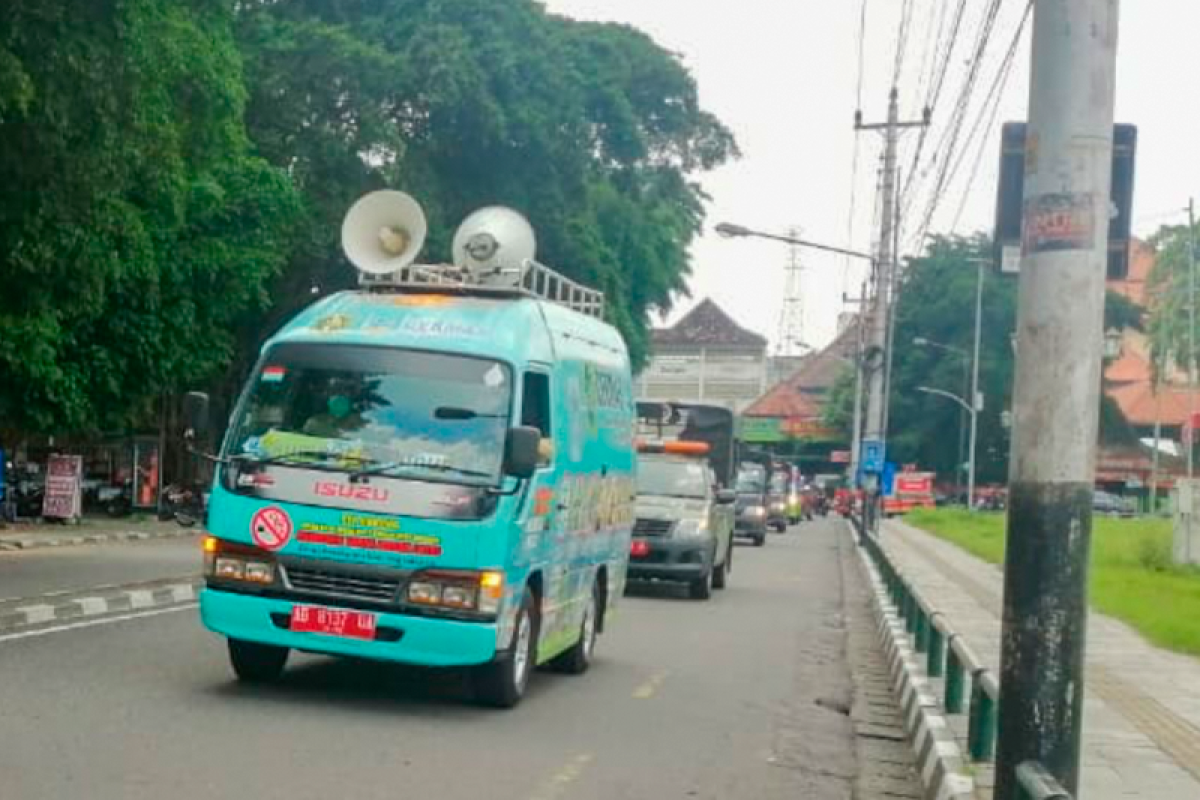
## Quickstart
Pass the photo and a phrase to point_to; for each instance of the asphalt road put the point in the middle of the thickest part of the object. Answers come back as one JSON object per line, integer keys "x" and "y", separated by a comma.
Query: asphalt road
{"x": 739, "y": 697}
{"x": 60, "y": 569}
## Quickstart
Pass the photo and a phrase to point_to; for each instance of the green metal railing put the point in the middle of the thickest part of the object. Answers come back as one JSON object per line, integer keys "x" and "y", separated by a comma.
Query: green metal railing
{"x": 948, "y": 656}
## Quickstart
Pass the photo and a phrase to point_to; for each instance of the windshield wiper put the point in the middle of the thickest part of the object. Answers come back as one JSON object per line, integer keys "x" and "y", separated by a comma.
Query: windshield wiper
{"x": 380, "y": 469}
{"x": 296, "y": 458}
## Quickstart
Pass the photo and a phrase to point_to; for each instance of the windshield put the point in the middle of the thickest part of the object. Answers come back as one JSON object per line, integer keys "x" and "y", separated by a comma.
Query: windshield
{"x": 667, "y": 478}
{"x": 751, "y": 480}
{"x": 779, "y": 483}
{"x": 390, "y": 411}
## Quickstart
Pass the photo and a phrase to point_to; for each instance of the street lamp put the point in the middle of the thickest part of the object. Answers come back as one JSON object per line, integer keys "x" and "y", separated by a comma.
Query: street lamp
{"x": 973, "y": 409}
{"x": 921, "y": 341}
{"x": 732, "y": 231}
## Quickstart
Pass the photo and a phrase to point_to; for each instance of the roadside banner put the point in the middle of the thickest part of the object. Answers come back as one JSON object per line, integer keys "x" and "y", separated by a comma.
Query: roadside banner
{"x": 64, "y": 487}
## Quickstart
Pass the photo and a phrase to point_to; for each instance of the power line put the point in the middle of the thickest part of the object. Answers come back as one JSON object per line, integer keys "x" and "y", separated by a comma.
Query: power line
{"x": 862, "y": 33}
{"x": 994, "y": 98}
{"x": 932, "y": 97}
{"x": 902, "y": 40}
{"x": 947, "y": 147}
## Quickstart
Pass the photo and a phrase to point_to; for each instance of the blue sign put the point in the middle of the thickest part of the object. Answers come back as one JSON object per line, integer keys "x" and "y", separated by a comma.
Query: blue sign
{"x": 888, "y": 482}
{"x": 873, "y": 455}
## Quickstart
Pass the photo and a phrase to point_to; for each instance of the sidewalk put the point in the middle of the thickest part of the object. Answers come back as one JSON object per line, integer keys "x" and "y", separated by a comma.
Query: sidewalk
{"x": 26, "y": 536}
{"x": 1142, "y": 706}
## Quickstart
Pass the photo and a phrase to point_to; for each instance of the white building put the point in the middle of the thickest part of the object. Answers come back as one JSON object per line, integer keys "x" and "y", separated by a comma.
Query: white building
{"x": 706, "y": 357}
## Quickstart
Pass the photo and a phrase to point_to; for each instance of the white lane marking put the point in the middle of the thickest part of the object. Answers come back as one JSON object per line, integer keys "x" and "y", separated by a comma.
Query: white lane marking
{"x": 90, "y": 623}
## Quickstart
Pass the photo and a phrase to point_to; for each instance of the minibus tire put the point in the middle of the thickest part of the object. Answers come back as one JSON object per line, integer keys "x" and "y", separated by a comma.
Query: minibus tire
{"x": 577, "y": 659}
{"x": 497, "y": 684}
{"x": 700, "y": 589}
{"x": 256, "y": 663}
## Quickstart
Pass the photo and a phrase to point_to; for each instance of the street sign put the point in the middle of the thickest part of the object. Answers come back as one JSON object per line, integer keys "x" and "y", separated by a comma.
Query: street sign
{"x": 873, "y": 455}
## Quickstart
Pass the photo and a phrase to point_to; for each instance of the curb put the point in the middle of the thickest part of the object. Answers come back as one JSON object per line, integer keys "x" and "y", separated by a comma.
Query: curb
{"x": 134, "y": 598}
{"x": 940, "y": 762}
{"x": 38, "y": 542}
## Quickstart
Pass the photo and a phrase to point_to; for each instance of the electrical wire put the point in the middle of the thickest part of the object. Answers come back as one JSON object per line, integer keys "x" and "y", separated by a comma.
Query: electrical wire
{"x": 902, "y": 41}
{"x": 947, "y": 149}
{"x": 994, "y": 97}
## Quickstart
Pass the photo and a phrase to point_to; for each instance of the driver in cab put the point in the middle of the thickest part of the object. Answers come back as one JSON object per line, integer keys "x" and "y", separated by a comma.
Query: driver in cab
{"x": 338, "y": 418}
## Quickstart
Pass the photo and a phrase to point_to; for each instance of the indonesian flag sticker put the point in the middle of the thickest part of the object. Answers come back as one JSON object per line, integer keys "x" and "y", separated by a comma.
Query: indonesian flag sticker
{"x": 273, "y": 374}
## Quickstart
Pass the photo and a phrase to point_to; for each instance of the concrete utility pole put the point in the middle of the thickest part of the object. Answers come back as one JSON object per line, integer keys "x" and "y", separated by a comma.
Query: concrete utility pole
{"x": 976, "y": 397}
{"x": 1055, "y": 402}
{"x": 856, "y": 433}
{"x": 1191, "y": 448}
{"x": 879, "y": 335}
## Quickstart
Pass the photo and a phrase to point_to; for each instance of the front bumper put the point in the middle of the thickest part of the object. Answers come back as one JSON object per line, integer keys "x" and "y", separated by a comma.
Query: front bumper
{"x": 672, "y": 560}
{"x": 407, "y": 639}
{"x": 749, "y": 526}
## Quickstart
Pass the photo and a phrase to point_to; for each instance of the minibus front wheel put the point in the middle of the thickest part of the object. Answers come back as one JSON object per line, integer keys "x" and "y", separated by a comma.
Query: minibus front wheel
{"x": 502, "y": 683}
{"x": 256, "y": 663}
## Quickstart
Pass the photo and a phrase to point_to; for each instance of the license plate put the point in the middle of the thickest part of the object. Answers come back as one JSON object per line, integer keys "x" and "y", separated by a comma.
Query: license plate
{"x": 333, "y": 622}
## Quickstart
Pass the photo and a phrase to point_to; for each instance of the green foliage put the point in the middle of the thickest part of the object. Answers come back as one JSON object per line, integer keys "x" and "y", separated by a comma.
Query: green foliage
{"x": 1171, "y": 334}
{"x": 1132, "y": 575}
{"x": 135, "y": 223}
{"x": 173, "y": 173}
{"x": 590, "y": 129}
{"x": 937, "y": 303}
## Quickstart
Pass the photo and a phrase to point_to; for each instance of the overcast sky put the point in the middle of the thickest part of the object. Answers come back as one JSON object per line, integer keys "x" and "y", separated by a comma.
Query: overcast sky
{"x": 783, "y": 75}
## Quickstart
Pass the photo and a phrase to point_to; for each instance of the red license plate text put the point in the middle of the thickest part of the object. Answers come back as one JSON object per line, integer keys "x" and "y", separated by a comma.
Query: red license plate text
{"x": 333, "y": 622}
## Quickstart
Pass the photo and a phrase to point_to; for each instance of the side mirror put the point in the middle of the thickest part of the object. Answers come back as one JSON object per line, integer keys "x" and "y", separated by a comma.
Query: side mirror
{"x": 195, "y": 411}
{"x": 726, "y": 497}
{"x": 521, "y": 452}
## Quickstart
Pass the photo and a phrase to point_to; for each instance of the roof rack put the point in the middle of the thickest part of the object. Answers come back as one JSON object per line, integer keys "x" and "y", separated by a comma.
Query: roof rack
{"x": 531, "y": 279}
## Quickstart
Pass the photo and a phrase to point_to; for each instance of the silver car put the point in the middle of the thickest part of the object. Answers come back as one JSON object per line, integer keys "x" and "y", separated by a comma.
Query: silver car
{"x": 684, "y": 527}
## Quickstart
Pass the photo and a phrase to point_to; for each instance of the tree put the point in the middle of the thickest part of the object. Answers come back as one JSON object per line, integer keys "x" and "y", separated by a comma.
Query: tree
{"x": 937, "y": 302}
{"x": 136, "y": 224}
{"x": 1171, "y": 334}
{"x": 590, "y": 129}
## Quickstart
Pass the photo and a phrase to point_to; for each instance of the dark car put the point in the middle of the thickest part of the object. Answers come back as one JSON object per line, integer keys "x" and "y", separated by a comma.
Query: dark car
{"x": 750, "y": 521}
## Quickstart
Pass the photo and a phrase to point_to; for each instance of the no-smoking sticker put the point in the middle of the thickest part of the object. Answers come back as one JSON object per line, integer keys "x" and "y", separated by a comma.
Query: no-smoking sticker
{"x": 271, "y": 527}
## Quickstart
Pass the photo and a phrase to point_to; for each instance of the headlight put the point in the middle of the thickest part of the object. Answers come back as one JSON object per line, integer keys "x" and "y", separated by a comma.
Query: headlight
{"x": 460, "y": 591}
{"x": 229, "y": 561}
{"x": 755, "y": 511}
{"x": 778, "y": 507}
{"x": 691, "y": 529}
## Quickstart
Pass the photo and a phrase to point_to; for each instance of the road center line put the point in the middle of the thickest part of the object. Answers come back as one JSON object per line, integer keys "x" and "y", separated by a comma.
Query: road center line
{"x": 90, "y": 623}
{"x": 561, "y": 780}
{"x": 647, "y": 689}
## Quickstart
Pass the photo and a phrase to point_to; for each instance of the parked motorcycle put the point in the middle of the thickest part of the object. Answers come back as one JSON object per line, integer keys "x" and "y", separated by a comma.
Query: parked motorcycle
{"x": 116, "y": 500}
{"x": 187, "y": 505}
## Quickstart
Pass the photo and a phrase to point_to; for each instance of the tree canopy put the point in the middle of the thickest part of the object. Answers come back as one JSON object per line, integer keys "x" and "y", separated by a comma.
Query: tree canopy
{"x": 173, "y": 173}
{"x": 937, "y": 303}
{"x": 136, "y": 224}
{"x": 591, "y": 130}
